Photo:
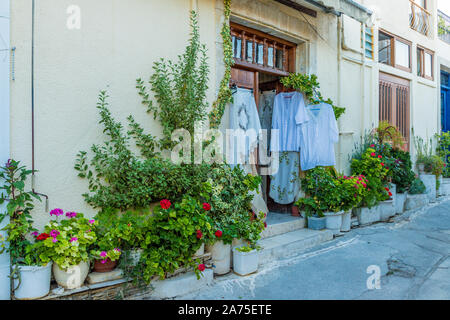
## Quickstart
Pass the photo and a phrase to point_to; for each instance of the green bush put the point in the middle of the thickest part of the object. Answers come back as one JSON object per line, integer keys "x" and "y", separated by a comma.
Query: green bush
{"x": 443, "y": 150}
{"x": 372, "y": 167}
{"x": 403, "y": 175}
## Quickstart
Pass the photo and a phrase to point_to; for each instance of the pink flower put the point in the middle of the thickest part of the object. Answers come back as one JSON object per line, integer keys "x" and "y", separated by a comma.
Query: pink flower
{"x": 218, "y": 233}
{"x": 103, "y": 261}
{"x": 56, "y": 212}
{"x": 35, "y": 233}
{"x": 372, "y": 146}
{"x": 117, "y": 249}
{"x": 71, "y": 214}
{"x": 103, "y": 254}
{"x": 201, "y": 267}
{"x": 206, "y": 206}
{"x": 91, "y": 221}
{"x": 373, "y": 154}
{"x": 54, "y": 233}
{"x": 73, "y": 239}
{"x": 379, "y": 157}
{"x": 54, "y": 240}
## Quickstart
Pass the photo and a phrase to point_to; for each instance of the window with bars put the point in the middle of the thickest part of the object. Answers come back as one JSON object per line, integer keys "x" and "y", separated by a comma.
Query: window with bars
{"x": 394, "y": 103}
{"x": 256, "y": 50}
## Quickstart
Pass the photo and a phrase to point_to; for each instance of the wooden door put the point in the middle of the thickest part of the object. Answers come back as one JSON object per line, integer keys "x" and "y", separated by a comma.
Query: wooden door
{"x": 246, "y": 79}
{"x": 394, "y": 104}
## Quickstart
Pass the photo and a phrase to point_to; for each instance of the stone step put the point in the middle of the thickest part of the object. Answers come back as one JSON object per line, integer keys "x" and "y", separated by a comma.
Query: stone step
{"x": 278, "y": 224}
{"x": 291, "y": 243}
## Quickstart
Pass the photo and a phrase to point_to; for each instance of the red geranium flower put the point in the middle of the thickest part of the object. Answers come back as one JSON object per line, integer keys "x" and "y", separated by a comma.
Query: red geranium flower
{"x": 386, "y": 188}
{"x": 199, "y": 234}
{"x": 373, "y": 154}
{"x": 372, "y": 145}
{"x": 218, "y": 233}
{"x": 201, "y": 267}
{"x": 165, "y": 204}
{"x": 42, "y": 236}
{"x": 390, "y": 194}
{"x": 206, "y": 206}
{"x": 379, "y": 157}
{"x": 382, "y": 164}
{"x": 265, "y": 224}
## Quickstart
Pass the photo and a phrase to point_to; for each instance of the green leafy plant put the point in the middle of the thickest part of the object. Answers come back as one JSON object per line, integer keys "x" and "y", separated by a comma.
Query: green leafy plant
{"x": 403, "y": 175}
{"x": 67, "y": 242}
{"x": 19, "y": 206}
{"x": 372, "y": 167}
{"x": 246, "y": 249}
{"x": 309, "y": 85}
{"x": 417, "y": 187}
{"x": 103, "y": 255}
{"x": 224, "y": 96}
{"x": 443, "y": 151}
{"x": 180, "y": 88}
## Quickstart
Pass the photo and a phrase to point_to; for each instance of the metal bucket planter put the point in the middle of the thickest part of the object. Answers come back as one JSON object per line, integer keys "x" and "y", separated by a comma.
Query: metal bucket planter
{"x": 73, "y": 277}
{"x": 346, "y": 225}
{"x": 400, "y": 200}
{"x": 34, "y": 282}
{"x": 387, "y": 210}
{"x": 316, "y": 223}
{"x": 367, "y": 215}
{"x": 220, "y": 255}
{"x": 334, "y": 221}
{"x": 245, "y": 263}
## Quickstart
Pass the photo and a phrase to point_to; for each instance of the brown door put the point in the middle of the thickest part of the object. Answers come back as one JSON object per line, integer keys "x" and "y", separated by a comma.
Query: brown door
{"x": 394, "y": 103}
{"x": 246, "y": 79}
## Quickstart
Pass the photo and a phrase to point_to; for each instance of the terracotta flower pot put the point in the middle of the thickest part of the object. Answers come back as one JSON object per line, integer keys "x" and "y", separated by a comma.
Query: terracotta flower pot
{"x": 104, "y": 267}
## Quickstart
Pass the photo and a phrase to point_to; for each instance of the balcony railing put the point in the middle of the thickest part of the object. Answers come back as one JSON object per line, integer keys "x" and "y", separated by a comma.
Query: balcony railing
{"x": 419, "y": 19}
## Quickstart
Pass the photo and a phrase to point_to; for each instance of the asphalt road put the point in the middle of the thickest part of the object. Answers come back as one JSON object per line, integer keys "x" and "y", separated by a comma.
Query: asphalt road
{"x": 408, "y": 258}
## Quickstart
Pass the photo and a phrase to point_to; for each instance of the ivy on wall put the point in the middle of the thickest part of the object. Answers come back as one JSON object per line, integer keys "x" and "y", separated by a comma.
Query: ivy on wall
{"x": 224, "y": 96}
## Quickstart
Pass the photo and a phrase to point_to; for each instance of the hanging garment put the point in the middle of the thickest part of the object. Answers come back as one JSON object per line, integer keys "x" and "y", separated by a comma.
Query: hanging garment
{"x": 288, "y": 106}
{"x": 243, "y": 115}
{"x": 266, "y": 101}
{"x": 318, "y": 136}
{"x": 285, "y": 184}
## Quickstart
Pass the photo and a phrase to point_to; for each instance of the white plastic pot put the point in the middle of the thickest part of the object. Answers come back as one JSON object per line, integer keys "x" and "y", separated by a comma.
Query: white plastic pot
{"x": 220, "y": 255}
{"x": 34, "y": 282}
{"x": 73, "y": 277}
{"x": 245, "y": 263}
{"x": 400, "y": 200}
{"x": 387, "y": 210}
{"x": 346, "y": 225}
{"x": 234, "y": 244}
{"x": 5, "y": 283}
{"x": 334, "y": 221}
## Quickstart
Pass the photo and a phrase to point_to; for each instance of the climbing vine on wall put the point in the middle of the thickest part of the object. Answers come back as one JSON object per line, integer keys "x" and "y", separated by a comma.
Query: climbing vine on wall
{"x": 224, "y": 96}
{"x": 309, "y": 85}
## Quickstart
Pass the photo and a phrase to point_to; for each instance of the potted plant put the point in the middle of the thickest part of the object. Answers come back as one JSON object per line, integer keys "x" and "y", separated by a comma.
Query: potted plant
{"x": 314, "y": 217}
{"x": 31, "y": 270}
{"x": 416, "y": 195}
{"x": 67, "y": 246}
{"x": 245, "y": 259}
{"x": 353, "y": 190}
{"x": 386, "y": 207}
{"x": 372, "y": 167}
{"x": 403, "y": 176}
{"x": 105, "y": 260}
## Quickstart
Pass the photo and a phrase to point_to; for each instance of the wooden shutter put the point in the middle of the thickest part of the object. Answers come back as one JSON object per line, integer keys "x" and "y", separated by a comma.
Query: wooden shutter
{"x": 394, "y": 103}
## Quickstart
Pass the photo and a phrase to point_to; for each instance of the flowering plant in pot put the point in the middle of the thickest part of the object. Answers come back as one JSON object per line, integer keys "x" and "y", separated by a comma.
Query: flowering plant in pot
{"x": 30, "y": 273}
{"x": 105, "y": 260}
{"x": 67, "y": 244}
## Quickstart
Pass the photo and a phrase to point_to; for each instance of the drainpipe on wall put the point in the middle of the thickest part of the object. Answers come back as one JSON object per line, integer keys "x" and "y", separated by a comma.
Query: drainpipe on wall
{"x": 5, "y": 262}
{"x": 33, "y": 177}
{"x": 339, "y": 59}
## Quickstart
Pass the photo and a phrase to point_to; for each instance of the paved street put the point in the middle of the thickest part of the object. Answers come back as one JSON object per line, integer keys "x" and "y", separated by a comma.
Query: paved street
{"x": 413, "y": 254}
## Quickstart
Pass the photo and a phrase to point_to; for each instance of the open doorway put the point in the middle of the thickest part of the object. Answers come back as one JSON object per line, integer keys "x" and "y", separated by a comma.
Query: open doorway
{"x": 260, "y": 61}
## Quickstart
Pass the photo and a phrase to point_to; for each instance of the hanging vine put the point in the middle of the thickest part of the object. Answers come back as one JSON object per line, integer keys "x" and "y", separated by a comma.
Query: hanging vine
{"x": 224, "y": 96}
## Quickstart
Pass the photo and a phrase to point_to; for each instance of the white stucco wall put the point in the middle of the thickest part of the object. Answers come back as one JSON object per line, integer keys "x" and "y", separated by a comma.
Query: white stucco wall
{"x": 117, "y": 43}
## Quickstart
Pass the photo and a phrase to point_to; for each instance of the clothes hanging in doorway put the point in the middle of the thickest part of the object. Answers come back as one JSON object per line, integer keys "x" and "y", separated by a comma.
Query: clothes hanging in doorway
{"x": 318, "y": 136}
{"x": 285, "y": 184}
{"x": 288, "y": 112}
{"x": 244, "y": 116}
{"x": 266, "y": 102}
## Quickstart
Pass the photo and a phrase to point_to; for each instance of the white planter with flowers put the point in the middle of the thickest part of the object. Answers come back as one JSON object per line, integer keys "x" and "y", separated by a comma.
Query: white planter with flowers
{"x": 245, "y": 260}
{"x": 32, "y": 282}
{"x": 73, "y": 277}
